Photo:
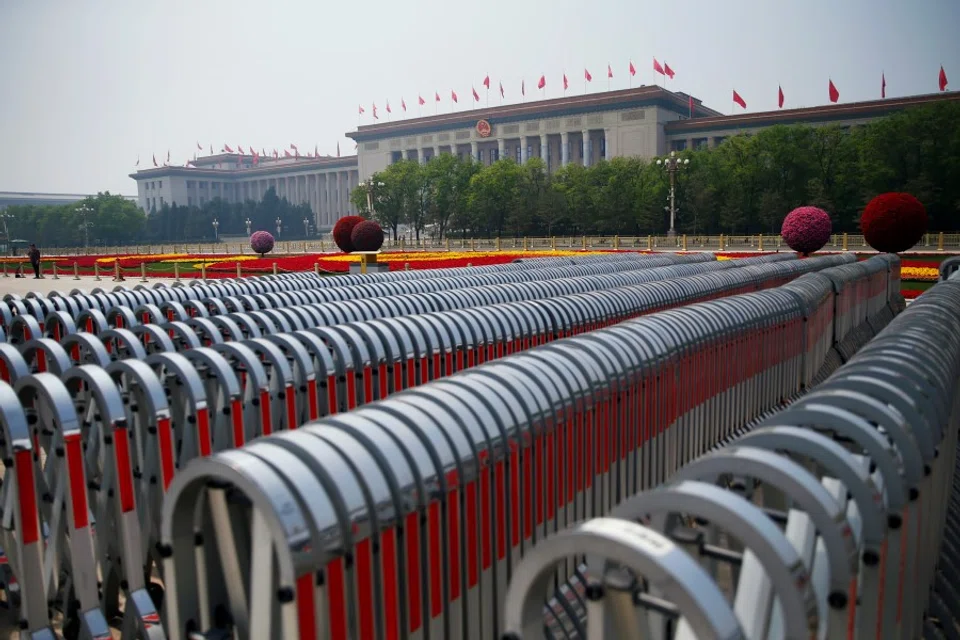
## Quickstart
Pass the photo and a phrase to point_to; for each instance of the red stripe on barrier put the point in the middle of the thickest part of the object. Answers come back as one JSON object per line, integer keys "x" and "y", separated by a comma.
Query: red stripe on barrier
{"x": 453, "y": 539}
{"x": 411, "y": 374}
{"x": 89, "y": 325}
{"x": 336, "y": 600}
{"x": 384, "y": 380}
{"x": 29, "y": 515}
{"x": 291, "y": 399}
{"x": 424, "y": 370}
{"x": 306, "y": 612}
{"x": 391, "y": 590}
{"x": 397, "y": 376}
{"x": 470, "y": 518}
{"x": 414, "y": 588}
{"x": 436, "y": 373}
{"x": 448, "y": 361}
{"x": 203, "y": 431}
{"x": 366, "y": 611}
{"x": 124, "y": 470}
{"x": 165, "y": 441}
{"x": 436, "y": 559}
{"x": 236, "y": 417}
{"x": 551, "y": 471}
{"x": 78, "y": 485}
{"x": 331, "y": 395}
{"x": 41, "y": 360}
{"x": 460, "y": 359}
{"x": 351, "y": 390}
{"x": 266, "y": 417}
{"x": 5, "y": 373}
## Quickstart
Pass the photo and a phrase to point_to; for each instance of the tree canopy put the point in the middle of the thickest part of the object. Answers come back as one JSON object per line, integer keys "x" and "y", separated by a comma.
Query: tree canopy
{"x": 745, "y": 185}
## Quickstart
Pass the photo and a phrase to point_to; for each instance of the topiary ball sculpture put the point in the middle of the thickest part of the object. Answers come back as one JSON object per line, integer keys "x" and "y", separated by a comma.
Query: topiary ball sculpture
{"x": 261, "y": 242}
{"x": 367, "y": 236}
{"x": 806, "y": 229}
{"x": 342, "y": 231}
{"x": 893, "y": 222}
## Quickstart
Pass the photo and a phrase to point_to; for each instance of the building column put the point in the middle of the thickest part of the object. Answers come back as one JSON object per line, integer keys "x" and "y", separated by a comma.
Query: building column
{"x": 587, "y": 149}
{"x": 564, "y": 148}
{"x": 331, "y": 208}
{"x": 405, "y": 154}
{"x": 501, "y": 148}
{"x": 436, "y": 151}
{"x": 317, "y": 210}
{"x": 544, "y": 149}
{"x": 606, "y": 144}
{"x": 453, "y": 148}
{"x": 523, "y": 149}
{"x": 475, "y": 149}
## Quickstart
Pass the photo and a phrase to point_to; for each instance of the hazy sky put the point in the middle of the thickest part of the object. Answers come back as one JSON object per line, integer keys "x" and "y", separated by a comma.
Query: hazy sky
{"x": 87, "y": 87}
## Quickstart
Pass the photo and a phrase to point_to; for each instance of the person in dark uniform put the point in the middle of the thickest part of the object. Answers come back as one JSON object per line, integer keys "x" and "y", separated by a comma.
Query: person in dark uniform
{"x": 34, "y": 255}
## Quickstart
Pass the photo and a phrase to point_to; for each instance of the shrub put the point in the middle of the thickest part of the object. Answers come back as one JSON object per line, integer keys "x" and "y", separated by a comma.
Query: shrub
{"x": 261, "y": 242}
{"x": 367, "y": 236}
{"x": 806, "y": 229}
{"x": 342, "y": 231}
{"x": 893, "y": 222}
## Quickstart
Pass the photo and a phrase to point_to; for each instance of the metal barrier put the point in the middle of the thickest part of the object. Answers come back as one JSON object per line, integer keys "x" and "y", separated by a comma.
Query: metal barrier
{"x": 408, "y": 517}
{"x": 828, "y": 513}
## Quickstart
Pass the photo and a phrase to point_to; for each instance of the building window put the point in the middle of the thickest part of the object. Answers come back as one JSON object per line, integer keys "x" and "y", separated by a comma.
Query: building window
{"x": 718, "y": 140}
{"x": 519, "y": 159}
{"x": 603, "y": 147}
{"x": 396, "y": 156}
{"x": 583, "y": 148}
{"x": 191, "y": 184}
{"x": 678, "y": 145}
{"x": 161, "y": 186}
{"x": 700, "y": 143}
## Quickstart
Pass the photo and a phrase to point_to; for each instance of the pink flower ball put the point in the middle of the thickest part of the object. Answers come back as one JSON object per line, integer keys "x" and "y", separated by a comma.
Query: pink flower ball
{"x": 806, "y": 229}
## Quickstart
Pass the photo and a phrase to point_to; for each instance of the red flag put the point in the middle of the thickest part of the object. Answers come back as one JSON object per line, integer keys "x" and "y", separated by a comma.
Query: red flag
{"x": 436, "y": 96}
{"x": 486, "y": 81}
{"x": 453, "y": 96}
{"x": 361, "y": 109}
{"x": 633, "y": 69}
{"x": 287, "y": 154}
{"x": 338, "y": 149}
{"x": 420, "y": 100}
{"x": 276, "y": 154}
{"x": 667, "y": 70}
{"x": 565, "y": 83}
{"x": 587, "y": 76}
{"x": 476, "y": 96}
{"x": 834, "y": 94}
{"x": 883, "y": 85}
{"x": 403, "y": 104}
{"x": 293, "y": 146}
{"x": 542, "y": 83}
{"x": 240, "y": 149}
{"x": 523, "y": 87}
{"x": 780, "y": 96}
{"x": 375, "y": 116}
{"x": 199, "y": 148}
{"x": 211, "y": 149}
{"x": 155, "y": 160}
{"x": 389, "y": 110}
{"x": 501, "y": 89}
{"x": 609, "y": 71}
{"x": 227, "y": 148}
{"x": 942, "y": 80}
{"x": 740, "y": 101}
{"x": 691, "y": 106}
{"x": 658, "y": 68}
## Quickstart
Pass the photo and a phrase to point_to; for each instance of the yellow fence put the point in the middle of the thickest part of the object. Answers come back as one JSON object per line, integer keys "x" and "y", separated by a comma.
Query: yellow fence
{"x": 838, "y": 242}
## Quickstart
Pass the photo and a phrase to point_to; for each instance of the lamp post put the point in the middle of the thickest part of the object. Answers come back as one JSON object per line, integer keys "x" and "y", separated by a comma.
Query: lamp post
{"x": 248, "y": 222}
{"x": 216, "y": 230}
{"x": 6, "y": 231}
{"x": 279, "y": 226}
{"x": 83, "y": 210}
{"x": 306, "y": 226}
{"x": 371, "y": 184}
{"x": 673, "y": 164}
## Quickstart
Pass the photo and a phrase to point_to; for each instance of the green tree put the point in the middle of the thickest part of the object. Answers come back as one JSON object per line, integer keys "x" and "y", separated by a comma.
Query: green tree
{"x": 495, "y": 195}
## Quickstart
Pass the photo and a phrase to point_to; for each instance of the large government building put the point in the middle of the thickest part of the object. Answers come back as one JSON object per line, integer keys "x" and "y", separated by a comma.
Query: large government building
{"x": 646, "y": 122}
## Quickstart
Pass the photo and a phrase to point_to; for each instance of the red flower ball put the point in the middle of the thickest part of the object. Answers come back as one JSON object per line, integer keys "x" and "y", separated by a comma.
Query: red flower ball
{"x": 367, "y": 236}
{"x": 342, "y": 231}
{"x": 806, "y": 229}
{"x": 893, "y": 222}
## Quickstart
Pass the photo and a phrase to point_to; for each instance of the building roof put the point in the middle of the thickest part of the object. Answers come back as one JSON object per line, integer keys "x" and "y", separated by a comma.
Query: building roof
{"x": 555, "y": 107}
{"x": 10, "y": 198}
{"x": 266, "y": 168}
{"x": 818, "y": 114}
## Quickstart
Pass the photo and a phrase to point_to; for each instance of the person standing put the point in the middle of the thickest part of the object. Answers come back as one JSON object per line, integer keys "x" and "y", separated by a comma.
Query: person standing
{"x": 34, "y": 255}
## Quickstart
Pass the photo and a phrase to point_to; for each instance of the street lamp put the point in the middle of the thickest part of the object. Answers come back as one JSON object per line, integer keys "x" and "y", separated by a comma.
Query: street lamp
{"x": 279, "y": 226}
{"x": 248, "y": 222}
{"x": 216, "y": 230}
{"x": 306, "y": 226}
{"x": 370, "y": 184}
{"x": 83, "y": 210}
{"x": 673, "y": 164}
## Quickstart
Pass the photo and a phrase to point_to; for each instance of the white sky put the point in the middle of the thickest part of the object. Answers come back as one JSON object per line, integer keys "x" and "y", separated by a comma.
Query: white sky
{"x": 87, "y": 87}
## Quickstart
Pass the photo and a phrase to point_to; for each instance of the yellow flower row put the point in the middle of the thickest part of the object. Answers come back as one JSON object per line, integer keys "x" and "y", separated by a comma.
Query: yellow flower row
{"x": 420, "y": 256}
{"x": 928, "y": 274}
{"x": 150, "y": 257}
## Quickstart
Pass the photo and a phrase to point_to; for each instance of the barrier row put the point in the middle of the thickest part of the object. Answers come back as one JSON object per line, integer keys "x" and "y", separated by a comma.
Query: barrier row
{"x": 823, "y": 519}
{"x": 144, "y": 415}
{"x": 202, "y": 298}
{"x": 409, "y": 517}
